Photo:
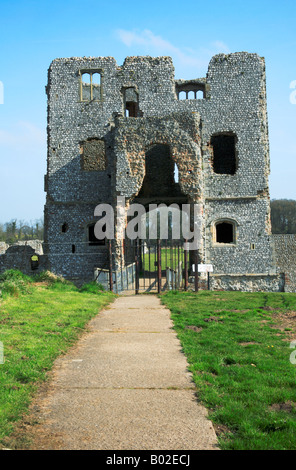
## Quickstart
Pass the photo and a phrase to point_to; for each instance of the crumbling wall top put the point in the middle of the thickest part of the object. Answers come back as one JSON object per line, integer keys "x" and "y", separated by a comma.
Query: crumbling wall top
{"x": 154, "y": 61}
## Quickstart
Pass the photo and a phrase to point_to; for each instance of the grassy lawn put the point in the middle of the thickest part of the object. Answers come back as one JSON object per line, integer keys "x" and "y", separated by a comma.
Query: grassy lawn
{"x": 38, "y": 322}
{"x": 238, "y": 348}
{"x": 169, "y": 259}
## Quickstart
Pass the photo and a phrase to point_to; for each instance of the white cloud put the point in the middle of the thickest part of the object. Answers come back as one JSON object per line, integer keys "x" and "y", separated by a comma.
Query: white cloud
{"x": 221, "y": 47}
{"x": 154, "y": 44}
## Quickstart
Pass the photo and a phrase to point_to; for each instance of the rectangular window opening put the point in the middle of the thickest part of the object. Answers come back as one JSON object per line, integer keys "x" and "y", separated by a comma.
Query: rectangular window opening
{"x": 224, "y": 153}
{"x": 224, "y": 233}
{"x": 92, "y": 239}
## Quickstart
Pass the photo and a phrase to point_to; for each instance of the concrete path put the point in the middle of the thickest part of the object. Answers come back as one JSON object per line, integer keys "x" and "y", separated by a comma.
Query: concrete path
{"x": 125, "y": 386}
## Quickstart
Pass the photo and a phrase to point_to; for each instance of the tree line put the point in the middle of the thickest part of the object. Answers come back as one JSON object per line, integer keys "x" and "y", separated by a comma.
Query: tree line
{"x": 14, "y": 231}
{"x": 283, "y": 220}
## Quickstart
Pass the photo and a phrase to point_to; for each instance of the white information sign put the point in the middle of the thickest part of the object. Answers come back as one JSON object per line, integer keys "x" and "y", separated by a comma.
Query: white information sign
{"x": 203, "y": 268}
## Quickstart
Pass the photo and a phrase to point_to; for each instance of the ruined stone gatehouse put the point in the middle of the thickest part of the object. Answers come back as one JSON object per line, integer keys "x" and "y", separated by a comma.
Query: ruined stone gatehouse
{"x": 126, "y": 130}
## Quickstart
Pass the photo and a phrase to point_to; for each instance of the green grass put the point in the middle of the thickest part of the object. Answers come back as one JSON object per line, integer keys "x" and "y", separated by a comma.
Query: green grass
{"x": 169, "y": 259}
{"x": 241, "y": 364}
{"x": 38, "y": 322}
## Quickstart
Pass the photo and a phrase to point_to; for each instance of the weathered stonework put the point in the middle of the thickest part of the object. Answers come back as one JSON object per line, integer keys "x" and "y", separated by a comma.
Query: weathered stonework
{"x": 285, "y": 251}
{"x": 136, "y": 111}
{"x": 124, "y": 134}
{"x": 26, "y": 256}
{"x": 93, "y": 155}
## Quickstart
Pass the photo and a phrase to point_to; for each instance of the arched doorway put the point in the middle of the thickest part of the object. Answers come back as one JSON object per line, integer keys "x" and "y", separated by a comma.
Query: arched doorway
{"x": 158, "y": 162}
{"x": 159, "y": 184}
{"x": 160, "y": 252}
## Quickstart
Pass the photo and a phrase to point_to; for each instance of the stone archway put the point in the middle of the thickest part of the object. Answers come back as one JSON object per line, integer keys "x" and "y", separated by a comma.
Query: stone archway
{"x": 147, "y": 150}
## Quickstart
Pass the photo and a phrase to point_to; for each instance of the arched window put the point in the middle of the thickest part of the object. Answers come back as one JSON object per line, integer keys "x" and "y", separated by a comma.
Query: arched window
{"x": 34, "y": 262}
{"x": 224, "y": 153}
{"x": 225, "y": 232}
{"x": 90, "y": 85}
{"x": 182, "y": 95}
{"x": 190, "y": 90}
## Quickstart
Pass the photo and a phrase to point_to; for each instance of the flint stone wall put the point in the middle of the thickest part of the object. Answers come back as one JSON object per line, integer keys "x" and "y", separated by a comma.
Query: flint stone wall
{"x": 285, "y": 249}
{"x": 234, "y": 101}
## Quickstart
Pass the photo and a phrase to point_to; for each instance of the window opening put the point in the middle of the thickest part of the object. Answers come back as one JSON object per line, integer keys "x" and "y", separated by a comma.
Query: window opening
{"x": 92, "y": 239}
{"x": 90, "y": 86}
{"x": 224, "y": 153}
{"x": 190, "y": 90}
{"x": 34, "y": 262}
{"x": 65, "y": 227}
{"x": 131, "y": 102}
{"x": 176, "y": 174}
{"x": 224, "y": 232}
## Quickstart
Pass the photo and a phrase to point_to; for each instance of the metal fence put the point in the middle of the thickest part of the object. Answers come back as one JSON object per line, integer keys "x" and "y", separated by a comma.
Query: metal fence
{"x": 150, "y": 266}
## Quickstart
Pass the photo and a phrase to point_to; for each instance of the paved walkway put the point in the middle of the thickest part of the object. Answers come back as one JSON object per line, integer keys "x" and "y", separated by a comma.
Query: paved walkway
{"x": 125, "y": 386}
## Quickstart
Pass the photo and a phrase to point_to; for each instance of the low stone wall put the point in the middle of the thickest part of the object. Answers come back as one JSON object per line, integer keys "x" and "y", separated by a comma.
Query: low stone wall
{"x": 285, "y": 253}
{"x": 26, "y": 256}
{"x": 3, "y": 247}
{"x": 246, "y": 282}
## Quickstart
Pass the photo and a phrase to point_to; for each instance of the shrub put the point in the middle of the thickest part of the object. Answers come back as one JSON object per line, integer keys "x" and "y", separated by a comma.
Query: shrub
{"x": 14, "y": 282}
{"x": 49, "y": 277}
{"x": 92, "y": 288}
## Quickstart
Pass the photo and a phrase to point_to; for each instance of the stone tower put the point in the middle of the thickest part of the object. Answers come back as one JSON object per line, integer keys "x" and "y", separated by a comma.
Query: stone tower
{"x": 123, "y": 130}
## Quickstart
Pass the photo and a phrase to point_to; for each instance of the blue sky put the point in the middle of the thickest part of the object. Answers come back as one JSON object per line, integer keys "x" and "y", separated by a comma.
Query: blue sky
{"x": 33, "y": 33}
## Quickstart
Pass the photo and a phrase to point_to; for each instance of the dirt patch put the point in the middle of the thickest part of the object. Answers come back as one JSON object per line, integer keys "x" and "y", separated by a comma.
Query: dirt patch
{"x": 194, "y": 328}
{"x": 221, "y": 429}
{"x": 285, "y": 322}
{"x": 247, "y": 343}
{"x": 216, "y": 319}
{"x": 288, "y": 406}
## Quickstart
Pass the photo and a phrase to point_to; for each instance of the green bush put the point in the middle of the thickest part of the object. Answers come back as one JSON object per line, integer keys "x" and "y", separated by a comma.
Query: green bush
{"x": 14, "y": 282}
{"x": 14, "y": 275}
{"x": 49, "y": 278}
{"x": 92, "y": 288}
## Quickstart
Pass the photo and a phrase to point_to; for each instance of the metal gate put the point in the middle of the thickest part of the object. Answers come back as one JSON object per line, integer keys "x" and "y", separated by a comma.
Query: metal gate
{"x": 160, "y": 265}
{"x": 151, "y": 266}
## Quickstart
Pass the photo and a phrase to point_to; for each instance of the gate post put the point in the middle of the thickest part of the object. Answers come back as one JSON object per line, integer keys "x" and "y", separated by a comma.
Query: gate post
{"x": 110, "y": 266}
{"x": 196, "y": 270}
{"x": 137, "y": 280}
{"x": 186, "y": 265}
{"x": 158, "y": 267}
